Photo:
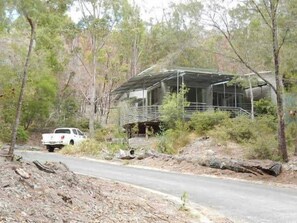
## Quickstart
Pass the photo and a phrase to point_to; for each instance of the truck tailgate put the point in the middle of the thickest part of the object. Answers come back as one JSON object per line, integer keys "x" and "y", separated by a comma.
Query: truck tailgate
{"x": 52, "y": 138}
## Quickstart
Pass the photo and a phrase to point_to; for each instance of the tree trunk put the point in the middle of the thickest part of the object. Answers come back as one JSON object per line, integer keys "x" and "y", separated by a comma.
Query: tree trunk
{"x": 93, "y": 90}
{"x": 295, "y": 153}
{"x": 23, "y": 86}
{"x": 21, "y": 96}
{"x": 252, "y": 98}
{"x": 282, "y": 147}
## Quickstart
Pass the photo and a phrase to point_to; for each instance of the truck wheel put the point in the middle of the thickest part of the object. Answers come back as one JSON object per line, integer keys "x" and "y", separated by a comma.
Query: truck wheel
{"x": 50, "y": 148}
{"x": 71, "y": 142}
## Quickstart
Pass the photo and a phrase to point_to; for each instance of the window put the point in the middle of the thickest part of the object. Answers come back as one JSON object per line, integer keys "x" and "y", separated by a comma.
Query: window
{"x": 65, "y": 131}
{"x": 79, "y": 132}
{"x": 74, "y": 131}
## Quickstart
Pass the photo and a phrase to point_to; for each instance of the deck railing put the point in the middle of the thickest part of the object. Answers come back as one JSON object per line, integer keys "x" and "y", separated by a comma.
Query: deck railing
{"x": 132, "y": 115}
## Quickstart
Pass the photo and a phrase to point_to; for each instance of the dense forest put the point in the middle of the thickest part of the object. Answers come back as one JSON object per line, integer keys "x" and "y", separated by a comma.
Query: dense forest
{"x": 57, "y": 72}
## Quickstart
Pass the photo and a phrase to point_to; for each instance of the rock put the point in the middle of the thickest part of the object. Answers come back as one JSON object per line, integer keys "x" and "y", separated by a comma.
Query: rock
{"x": 22, "y": 173}
{"x": 210, "y": 152}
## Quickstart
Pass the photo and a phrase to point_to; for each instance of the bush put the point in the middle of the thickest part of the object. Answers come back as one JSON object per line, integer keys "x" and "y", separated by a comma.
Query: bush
{"x": 107, "y": 134}
{"x": 172, "y": 107}
{"x": 102, "y": 141}
{"x": 87, "y": 147}
{"x": 265, "y": 107}
{"x": 171, "y": 140}
{"x": 264, "y": 148}
{"x": 201, "y": 122}
{"x": 291, "y": 134}
{"x": 258, "y": 135}
{"x": 5, "y": 134}
{"x": 22, "y": 135}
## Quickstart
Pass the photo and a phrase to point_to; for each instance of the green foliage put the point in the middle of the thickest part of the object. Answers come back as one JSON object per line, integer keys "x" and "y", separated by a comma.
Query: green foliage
{"x": 89, "y": 147}
{"x": 39, "y": 102}
{"x": 258, "y": 135}
{"x": 172, "y": 140}
{"x": 108, "y": 133}
{"x": 201, "y": 122}
{"x": 291, "y": 134}
{"x": 184, "y": 199}
{"x": 172, "y": 108}
{"x": 5, "y": 134}
{"x": 265, "y": 107}
{"x": 109, "y": 140}
{"x": 263, "y": 147}
{"x": 22, "y": 135}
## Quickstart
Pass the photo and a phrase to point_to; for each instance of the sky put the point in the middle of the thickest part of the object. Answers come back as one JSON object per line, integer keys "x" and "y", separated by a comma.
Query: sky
{"x": 152, "y": 8}
{"x": 149, "y": 8}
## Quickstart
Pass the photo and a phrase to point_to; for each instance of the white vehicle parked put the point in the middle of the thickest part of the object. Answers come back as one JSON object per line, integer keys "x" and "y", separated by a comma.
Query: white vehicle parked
{"x": 62, "y": 137}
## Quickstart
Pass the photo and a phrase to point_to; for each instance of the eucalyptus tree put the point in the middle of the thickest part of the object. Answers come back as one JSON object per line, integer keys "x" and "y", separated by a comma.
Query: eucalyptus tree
{"x": 99, "y": 18}
{"x": 267, "y": 16}
{"x": 176, "y": 35}
{"x": 129, "y": 36}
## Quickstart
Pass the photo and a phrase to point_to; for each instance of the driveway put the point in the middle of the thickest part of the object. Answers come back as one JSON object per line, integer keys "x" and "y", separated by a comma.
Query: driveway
{"x": 238, "y": 200}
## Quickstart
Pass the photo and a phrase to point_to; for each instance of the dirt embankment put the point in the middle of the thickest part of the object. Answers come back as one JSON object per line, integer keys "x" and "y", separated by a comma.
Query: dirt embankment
{"x": 28, "y": 194}
{"x": 206, "y": 148}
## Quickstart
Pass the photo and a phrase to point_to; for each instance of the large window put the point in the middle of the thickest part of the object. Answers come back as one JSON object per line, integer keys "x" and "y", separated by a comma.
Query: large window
{"x": 195, "y": 95}
{"x": 227, "y": 99}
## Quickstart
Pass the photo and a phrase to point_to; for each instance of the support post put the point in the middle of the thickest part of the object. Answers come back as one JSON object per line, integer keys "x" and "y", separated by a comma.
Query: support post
{"x": 235, "y": 91}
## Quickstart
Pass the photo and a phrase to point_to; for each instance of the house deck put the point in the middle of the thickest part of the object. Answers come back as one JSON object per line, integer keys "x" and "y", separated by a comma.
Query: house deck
{"x": 151, "y": 114}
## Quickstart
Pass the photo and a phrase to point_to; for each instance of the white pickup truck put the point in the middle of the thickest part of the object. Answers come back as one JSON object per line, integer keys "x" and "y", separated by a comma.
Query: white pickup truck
{"x": 62, "y": 137}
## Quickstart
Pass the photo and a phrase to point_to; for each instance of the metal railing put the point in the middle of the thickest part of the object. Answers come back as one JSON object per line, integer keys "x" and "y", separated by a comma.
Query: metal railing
{"x": 132, "y": 115}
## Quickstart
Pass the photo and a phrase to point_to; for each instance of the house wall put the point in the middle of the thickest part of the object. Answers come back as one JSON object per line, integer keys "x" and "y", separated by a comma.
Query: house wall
{"x": 264, "y": 91}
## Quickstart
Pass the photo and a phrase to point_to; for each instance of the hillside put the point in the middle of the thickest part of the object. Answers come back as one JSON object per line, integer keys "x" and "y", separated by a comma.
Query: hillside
{"x": 28, "y": 194}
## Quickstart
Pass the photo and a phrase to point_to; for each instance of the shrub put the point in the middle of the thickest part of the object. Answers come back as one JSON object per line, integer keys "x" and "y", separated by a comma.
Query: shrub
{"x": 263, "y": 148}
{"x": 204, "y": 121}
{"x": 259, "y": 135}
{"x": 291, "y": 134}
{"x": 5, "y": 134}
{"x": 172, "y": 107}
{"x": 22, "y": 135}
{"x": 108, "y": 133}
{"x": 102, "y": 141}
{"x": 265, "y": 107}
{"x": 87, "y": 147}
{"x": 171, "y": 140}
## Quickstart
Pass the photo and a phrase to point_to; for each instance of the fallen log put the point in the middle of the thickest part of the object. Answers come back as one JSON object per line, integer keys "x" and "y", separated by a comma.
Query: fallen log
{"x": 253, "y": 167}
{"x": 43, "y": 167}
{"x": 126, "y": 155}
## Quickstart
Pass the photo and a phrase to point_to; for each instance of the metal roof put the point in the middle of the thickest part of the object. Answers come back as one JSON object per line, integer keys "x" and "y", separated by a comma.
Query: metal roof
{"x": 151, "y": 77}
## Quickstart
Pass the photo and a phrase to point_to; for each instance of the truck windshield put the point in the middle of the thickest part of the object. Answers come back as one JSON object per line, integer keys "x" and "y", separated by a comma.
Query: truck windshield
{"x": 65, "y": 131}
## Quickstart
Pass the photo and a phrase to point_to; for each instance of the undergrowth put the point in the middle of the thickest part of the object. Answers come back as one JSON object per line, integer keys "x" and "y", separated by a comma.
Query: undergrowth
{"x": 104, "y": 140}
{"x": 258, "y": 136}
{"x": 171, "y": 140}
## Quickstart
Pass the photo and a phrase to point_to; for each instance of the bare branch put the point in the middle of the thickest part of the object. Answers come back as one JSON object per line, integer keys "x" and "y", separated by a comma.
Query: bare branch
{"x": 84, "y": 6}
{"x": 262, "y": 14}
{"x": 283, "y": 40}
{"x": 267, "y": 8}
{"x": 84, "y": 65}
{"x": 243, "y": 61}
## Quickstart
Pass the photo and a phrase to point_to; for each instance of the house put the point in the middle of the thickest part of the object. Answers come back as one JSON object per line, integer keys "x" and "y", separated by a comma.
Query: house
{"x": 142, "y": 95}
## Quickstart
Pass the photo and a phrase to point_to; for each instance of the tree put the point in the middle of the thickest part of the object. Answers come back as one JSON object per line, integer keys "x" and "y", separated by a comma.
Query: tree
{"x": 268, "y": 12}
{"x": 99, "y": 19}
{"x": 32, "y": 24}
{"x": 31, "y": 11}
